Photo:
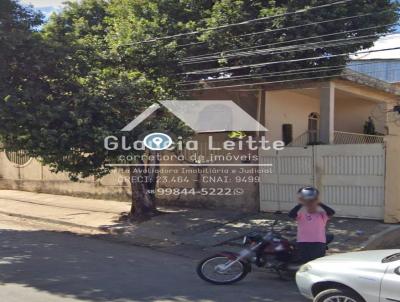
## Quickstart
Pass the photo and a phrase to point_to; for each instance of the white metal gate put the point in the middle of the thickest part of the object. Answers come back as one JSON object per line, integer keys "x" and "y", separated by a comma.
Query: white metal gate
{"x": 351, "y": 178}
{"x": 292, "y": 168}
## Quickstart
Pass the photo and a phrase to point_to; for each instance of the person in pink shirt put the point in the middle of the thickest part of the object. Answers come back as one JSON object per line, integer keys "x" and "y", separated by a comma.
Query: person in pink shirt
{"x": 312, "y": 217}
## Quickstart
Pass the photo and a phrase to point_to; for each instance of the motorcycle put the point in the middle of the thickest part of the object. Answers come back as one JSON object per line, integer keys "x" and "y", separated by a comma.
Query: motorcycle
{"x": 271, "y": 251}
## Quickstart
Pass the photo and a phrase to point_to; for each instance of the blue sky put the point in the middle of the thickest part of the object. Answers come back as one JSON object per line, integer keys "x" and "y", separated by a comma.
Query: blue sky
{"x": 46, "y": 6}
{"x": 49, "y": 6}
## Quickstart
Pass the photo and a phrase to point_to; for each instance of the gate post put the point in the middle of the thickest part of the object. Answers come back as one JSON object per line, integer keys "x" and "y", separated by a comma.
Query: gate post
{"x": 392, "y": 178}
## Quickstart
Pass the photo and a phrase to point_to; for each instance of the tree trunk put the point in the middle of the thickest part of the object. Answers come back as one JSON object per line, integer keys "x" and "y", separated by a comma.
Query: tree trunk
{"x": 143, "y": 185}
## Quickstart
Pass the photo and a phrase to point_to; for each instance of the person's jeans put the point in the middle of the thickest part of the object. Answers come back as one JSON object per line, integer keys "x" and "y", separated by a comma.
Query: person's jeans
{"x": 309, "y": 251}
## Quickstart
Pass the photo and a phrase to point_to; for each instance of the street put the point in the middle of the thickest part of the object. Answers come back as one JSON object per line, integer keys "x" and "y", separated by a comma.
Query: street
{"x": 50, "y": 266}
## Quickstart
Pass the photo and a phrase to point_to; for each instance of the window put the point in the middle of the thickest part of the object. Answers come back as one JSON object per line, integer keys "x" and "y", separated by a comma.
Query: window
{"x": 391, "y": 258}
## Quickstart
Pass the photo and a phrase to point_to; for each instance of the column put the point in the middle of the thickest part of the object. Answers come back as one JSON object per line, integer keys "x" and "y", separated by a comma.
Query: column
{"x": 327, "y": 113}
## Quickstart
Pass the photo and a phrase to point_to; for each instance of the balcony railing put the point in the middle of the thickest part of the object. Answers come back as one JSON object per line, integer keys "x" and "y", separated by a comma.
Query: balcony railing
{"x": 340, "y": 138}
{"x": 305, "y": 139}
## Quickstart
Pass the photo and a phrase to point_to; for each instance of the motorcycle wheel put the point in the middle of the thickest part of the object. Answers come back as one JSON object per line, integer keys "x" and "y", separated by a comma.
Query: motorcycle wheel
{"x": 209, "y": 269}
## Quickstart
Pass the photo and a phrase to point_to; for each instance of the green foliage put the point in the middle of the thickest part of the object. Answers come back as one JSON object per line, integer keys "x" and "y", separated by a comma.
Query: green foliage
{"x": 20, "y": 66}
{"x": 88, "y": 92}
{"x": 383, "y": 14}
{"x": 369, "y": 127}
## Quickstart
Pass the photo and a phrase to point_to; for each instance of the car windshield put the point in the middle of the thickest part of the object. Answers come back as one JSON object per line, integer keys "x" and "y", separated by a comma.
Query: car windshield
{"x": 391, "y": 258}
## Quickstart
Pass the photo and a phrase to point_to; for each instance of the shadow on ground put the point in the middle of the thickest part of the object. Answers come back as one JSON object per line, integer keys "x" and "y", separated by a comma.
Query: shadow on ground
{"x": 90, "y": 269}
{"x": 218, "y": 228}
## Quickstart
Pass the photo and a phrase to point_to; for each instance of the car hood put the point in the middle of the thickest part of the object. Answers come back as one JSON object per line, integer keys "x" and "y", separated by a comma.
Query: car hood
{"x": 364, "y": 256}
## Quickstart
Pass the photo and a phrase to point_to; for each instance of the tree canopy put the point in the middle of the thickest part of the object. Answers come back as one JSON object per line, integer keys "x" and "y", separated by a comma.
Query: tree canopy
{"x": 284, "y": 35}
{"x": 20, "y": 67}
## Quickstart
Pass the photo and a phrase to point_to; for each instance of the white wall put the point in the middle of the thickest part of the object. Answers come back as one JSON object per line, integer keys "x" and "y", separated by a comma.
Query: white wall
{"x": 352, "y": 113}
{"x": 291, "y": 107}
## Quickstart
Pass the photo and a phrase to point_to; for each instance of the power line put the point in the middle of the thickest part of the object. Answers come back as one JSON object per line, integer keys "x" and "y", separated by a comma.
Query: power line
{"x": 266, "y": 83}
{"x": 289, "y": 49}
{"x": 259, "y": 76}
{"x": 294, "y": 27}
{"x": 223, "y": 69}
{"x": 231, "y": 52}
{"x": 271, "y": 74}
{"x": 262, "y": 83}
{"x": 294, "y": 40}
{"x": 306, "y": 9}
{"x": 283, "y": 73}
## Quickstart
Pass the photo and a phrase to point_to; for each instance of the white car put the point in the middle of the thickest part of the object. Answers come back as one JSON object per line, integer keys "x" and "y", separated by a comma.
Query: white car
{"x": 370, "y": 276}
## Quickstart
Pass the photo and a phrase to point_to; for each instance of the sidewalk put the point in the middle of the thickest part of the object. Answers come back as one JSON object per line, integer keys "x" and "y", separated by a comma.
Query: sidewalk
{"x": 86, "y": 213}
{"x": 196, "y": 229}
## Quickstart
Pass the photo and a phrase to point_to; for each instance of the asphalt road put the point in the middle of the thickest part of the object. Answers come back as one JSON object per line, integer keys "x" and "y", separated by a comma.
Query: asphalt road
{"x": 46, "y": 266}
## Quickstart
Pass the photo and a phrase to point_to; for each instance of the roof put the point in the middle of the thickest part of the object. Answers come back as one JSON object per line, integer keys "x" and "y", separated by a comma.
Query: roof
{"x": 376, "y": 59}
{"x": 347, "y": 74}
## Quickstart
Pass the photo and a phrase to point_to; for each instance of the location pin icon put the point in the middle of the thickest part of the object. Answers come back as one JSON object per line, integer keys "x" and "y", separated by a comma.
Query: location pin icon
{"x": 157, "y": 141}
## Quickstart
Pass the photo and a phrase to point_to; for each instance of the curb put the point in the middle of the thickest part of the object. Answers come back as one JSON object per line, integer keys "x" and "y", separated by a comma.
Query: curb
{"x": 386, "y": 239}
{"x": 116, "y": 233}
{"x": 34, "y": 202}
{"x": 54, "y": 221}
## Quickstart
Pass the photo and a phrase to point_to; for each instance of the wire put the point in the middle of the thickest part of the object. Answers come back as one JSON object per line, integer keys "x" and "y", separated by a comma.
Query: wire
{"x": 295, "y": 40}
{"x": 257, "y": 76}
{"x": 215, "y": 70}
{"x": 293, "y": 27}
{"x": 286, "y": 49}
{"x": 270, "y": 82}
{"x": 277, "y": 73}
{"x": 285, "y": 73}
{"x": 286, "y": 88}
{"x": 262, "y": 83}
{"x": 301, "y": 39}
{"x": 306, "y": 9}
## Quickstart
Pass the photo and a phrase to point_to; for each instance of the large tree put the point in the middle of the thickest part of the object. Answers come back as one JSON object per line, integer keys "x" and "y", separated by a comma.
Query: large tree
{"x": 91, "y": 90}
{"x": 96, "y": 65}
{"x": 286, "y": 30}
{"x": 20, "y": 65}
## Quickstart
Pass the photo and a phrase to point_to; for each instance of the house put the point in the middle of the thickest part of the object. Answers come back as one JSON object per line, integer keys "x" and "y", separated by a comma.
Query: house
{"x": 385, "y": 69}
{"x": 322, "y": 123}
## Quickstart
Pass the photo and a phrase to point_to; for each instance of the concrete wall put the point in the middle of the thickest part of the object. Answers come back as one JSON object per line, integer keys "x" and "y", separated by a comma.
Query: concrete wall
{"x": 288, "y": 107}
{"x": 35, "y": 177}
{"x": 392, "y": 180}
{"x": 351, "y": 113}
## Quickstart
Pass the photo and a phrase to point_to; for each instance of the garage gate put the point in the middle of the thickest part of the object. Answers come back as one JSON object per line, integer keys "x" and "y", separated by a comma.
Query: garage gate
{"x": 351, "y": 178}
